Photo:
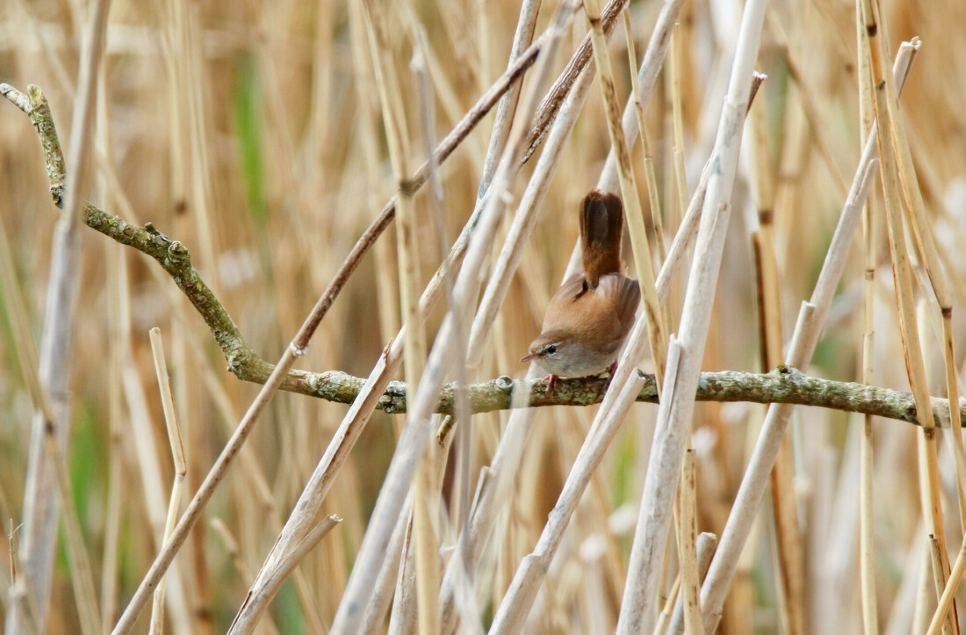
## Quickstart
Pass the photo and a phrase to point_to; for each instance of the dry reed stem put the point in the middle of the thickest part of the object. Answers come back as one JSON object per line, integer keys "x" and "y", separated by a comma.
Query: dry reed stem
{"x": 949, "y": 592}
{"x": 886, "y": 109}
{"x": 650, "y": 177}
{"x": 925, "y": 591}
{"x": 687, "y": 548}
{"x": 424, "y": 95}
{"x": 646, "y": 79}
{"x": 259, "y": 484}
{"x": 18, "y": 591}
{"x": 800, "y": 350}
{"x": 234, "y": 554}
{"x": 40, "y": 499}
{"x": 513, "y": 611}
{"x": 644, "y": 264}
{"x": 363, "y": 403}
{"x": 679, "y": 178}
{"x": 112, "y": 255}
{"x": 870, "y": 617}
{"x": 196, "y": 506}
{"x": 770, "y": 439}
{"x": 790, "y": 562}
{"x": 384, "y": 592}
{"x": 903, "y": 608}
{"x": 506, "y": 109}
{"x": 293, "y": 557}
{"x": 434, "y": 463}
{"x": 17, "y": 314}
{"x": 673, "y": 595}
{"x": 563, "y": 86}
{"x": 404, "y": 617}
{"x": 117, "y": 300}
{"x": 425, "y": 533}
{"x": 938, "y": 576}
{"x": 677, "y": 403}
{"x": 148, "y": 463}
{"x": 180, "y": 466}
{"x": 928, "y": 255}
{"x": 82, "y": 576}
{"x": 706, "y": 544}
{"x": 197, "y": 130}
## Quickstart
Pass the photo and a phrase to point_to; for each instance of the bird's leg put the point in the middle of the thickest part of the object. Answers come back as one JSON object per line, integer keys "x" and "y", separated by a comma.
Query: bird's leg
{"x": 551, "y": 380}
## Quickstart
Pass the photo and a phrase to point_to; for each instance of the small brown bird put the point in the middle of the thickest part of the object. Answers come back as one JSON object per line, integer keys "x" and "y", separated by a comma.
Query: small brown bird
{"x": 593, "y": 311}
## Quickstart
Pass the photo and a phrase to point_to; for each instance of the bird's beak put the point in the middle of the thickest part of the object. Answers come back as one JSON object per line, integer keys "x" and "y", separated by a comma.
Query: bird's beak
{"x": 530, "y": 357}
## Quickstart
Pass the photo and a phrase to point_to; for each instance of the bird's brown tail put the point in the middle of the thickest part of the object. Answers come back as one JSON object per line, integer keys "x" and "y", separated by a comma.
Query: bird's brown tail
{"x": 601, "y": 230}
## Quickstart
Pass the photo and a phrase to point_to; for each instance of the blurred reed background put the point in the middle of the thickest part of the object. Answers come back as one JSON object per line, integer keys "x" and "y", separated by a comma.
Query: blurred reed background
{"x": 253, "y": 133}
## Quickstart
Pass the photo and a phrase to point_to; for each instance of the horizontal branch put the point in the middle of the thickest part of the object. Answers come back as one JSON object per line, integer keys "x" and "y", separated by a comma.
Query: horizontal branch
{"x": 784, "y": 385}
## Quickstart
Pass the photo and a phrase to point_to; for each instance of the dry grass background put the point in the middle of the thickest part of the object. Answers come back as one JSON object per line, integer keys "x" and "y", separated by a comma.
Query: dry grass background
{"x": 252, "y": 132}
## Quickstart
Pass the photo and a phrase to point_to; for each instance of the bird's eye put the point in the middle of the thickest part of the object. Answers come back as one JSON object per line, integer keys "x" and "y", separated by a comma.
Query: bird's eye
{"x": 551, "y": 349}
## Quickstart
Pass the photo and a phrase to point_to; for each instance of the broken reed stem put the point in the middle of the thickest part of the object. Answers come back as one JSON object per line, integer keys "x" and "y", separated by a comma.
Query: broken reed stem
{"x": 196, "y": 507}
{"x": 687, "y": 548}
{"x": 706, "y": 544}
{"x": 180, "y": 467}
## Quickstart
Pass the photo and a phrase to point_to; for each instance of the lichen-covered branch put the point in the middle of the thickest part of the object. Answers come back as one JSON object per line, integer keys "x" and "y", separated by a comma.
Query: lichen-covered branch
{"x": 35, "y": 105}
{"x": 174, "y": 258}
{"x": 784, "y": 385}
